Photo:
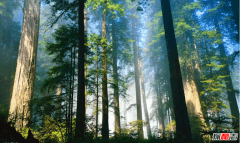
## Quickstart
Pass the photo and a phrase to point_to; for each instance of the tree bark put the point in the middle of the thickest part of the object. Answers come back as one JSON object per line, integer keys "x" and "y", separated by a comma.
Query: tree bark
{"x": 191, "y": 93}
{"x": 26, "y": 65}
{"x": 58, "y": 106}
{"x": 160, "y": 110}
{"x": 180, "y": 108}
{"x": 144, "y": 99}
{"x": 105, "y": 129}
{"x": 85, "y": 32}
{"x": 137, "y": 85}
{"x": 96, "y": 133}
{"x": 80, "y": 119}
{"x": 115, "y": 81}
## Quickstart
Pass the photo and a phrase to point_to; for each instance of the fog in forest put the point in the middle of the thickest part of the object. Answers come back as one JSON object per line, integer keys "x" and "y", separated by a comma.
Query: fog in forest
{"x": 125, "y": 70}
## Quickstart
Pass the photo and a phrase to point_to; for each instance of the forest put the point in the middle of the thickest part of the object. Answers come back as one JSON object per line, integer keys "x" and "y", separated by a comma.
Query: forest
{"x": 119, "y": 71}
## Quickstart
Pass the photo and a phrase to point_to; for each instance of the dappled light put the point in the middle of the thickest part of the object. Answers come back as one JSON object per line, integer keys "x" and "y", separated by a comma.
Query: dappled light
{"x": 119, "y": 71}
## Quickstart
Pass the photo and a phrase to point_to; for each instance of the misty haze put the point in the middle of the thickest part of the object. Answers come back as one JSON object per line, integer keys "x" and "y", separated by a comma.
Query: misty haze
{"x": 119, "y": 71}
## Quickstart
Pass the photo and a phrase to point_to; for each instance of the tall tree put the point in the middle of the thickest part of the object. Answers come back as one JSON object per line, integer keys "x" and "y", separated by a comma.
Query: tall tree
{"x": 137, "y": 84}
{"x": 144, "y": 99}
{"x": 115, "y": 83}
{"x": 180, "y": 109}
{"x": 80, "y": 120}
{"x": 105, "y": 130}
{"x": 20, "y": 108}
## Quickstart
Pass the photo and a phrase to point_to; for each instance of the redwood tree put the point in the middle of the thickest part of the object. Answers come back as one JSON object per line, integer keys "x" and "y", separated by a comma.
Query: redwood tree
{"x": 20, "y": 108}
{"x": 180, "y": 109}
{"x": 80, "y": 120}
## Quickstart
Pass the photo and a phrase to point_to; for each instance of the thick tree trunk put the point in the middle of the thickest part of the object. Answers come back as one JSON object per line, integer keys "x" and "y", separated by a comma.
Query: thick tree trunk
{"x": 191, "y": 94}
{"x": 180, "y": 108}
{"x": 80, "y": 119}
{"x": 196, "y": 69}
{"x": 137, "y": 85}
{"x": 105, "y": 129}
{"x": 228, "y": 81}
{"x": 144, "y": 99}
{"x": 115, "y": 81}
{"x": 20, "y": 107}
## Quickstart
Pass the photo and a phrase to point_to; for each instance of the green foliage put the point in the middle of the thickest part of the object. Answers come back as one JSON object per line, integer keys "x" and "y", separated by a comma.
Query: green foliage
{"x": 171, "y": 127}
{"x": 24, "y": 132}
{"x": 111, "y": 7}
{"x": 132, "y": 128}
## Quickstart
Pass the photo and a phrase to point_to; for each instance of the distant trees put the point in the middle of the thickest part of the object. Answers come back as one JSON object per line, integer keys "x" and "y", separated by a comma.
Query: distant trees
{"x": 144, "y": 98}
{"x": 189, "y": 81}
{"x": 20, "y": 109}
{"x": 10, "y": 33}
{"x": 137, "y": 83}
{"x": 115, "y": 82}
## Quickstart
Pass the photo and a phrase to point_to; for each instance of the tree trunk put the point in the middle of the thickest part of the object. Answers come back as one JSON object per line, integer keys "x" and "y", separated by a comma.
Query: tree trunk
{"x": 144, "y": 99}
{"x": 191, "y": 93}
{"x": 115, "y": 81}
{"x": 96, "y": 133}
{"x": 105, "y": 132}
{"x": 196, "y": 69}
{"x": 180, "y": 108}
{"x": 58, "y": 106}
{"x": 228, "y": 81}
{"x": 26, "y": 65}
{"x": 80, "y": 119}
{"x": 137, "y": 85}
{"x": 85, "y": 32}
{"x": 160, "y": 111}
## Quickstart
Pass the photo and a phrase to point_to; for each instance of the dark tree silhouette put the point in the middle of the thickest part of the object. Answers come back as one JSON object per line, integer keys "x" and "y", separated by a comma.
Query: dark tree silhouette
{"x": 80, "y": 120}
{"x": 180, "y": 108}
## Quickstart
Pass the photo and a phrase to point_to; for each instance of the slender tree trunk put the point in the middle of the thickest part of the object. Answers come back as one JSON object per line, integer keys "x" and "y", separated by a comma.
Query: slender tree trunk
{"x": 138, "y": 96}
{"x": 160, "y": 111}
{"x": 80, "y": 120}
{"x": 115, "y": 81}
{"x": 96, "y": 133}
{"x": 73, "y": 79}
{"x": 58, "y": 106}
{"x": 105, "y": 130}
{"x": 85, "y": 32}
{"x": 144, "y": 99}
{"x": 180, "y": 108}
{"x": 125, "y": 114}
{"x": 228, "y": 81}
{"x": 26, "y": 65}
{"x": 168, "y": 83}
